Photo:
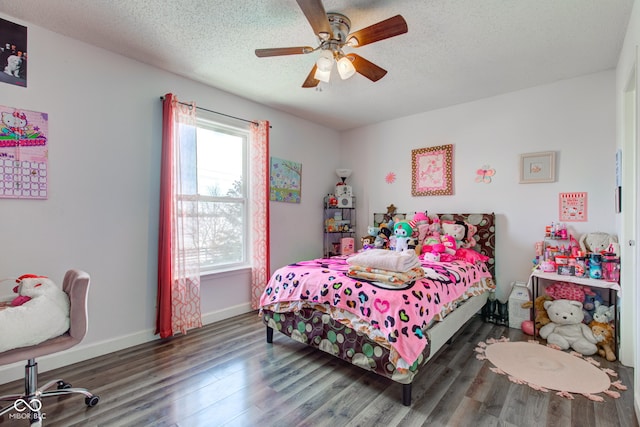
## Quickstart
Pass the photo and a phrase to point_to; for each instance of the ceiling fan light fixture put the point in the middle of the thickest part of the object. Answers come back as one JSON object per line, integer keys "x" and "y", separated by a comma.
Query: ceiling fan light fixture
{"x": 352, "y": 42}
{"x": 325, "y": 61}
{"x": 345, "y": 68}
{"x": 322, "y": 75}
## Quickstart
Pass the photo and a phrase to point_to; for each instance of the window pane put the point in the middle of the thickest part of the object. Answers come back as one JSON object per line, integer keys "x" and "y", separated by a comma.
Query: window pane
{"x": 220, "y": 163}
{"x": 221, "y": 233}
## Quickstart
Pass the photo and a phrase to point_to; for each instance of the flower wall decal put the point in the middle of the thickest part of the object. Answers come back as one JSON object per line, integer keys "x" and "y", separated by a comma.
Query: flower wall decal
{"x": 390, "y": 178}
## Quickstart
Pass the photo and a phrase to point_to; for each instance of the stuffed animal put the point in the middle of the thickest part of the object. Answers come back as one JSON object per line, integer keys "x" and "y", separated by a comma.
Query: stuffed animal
{"x": 589, "y": 306}
{"x": 421, "y": 218}
{"x": 431, "y": 256}
{"x": 566, "y": 329}
{"x": 457, "y": 230}
{"x": 599, "y": 242}
{"x": 602, "y": 313}
{"x": 402, "y": 230}
{"x": 541, "y": 317}
{"x": 449, "y": 243}
{"x": 604, "y": 335}
{"x": 382, "y": 239}
{"x": 45, "y": 315}
{"x": 367, "y": 242}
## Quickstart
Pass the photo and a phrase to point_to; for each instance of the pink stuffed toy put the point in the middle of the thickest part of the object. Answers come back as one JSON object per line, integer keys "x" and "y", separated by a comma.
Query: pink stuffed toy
{"x": 570, "y": 291}
{"x": 449, "y": 243}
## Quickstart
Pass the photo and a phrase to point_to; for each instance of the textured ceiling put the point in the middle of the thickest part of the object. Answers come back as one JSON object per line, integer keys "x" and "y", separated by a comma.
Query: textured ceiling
{"x": 455, "y": 51}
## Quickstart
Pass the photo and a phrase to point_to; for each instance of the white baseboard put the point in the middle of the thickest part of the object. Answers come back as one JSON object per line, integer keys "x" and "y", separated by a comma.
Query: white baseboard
{"x": 84, "y": 352}
{"x": 227, "y": 313}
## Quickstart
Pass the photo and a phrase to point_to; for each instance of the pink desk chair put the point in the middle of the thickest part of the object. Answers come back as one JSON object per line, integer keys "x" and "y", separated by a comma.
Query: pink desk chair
{"x": 76, "y": 285}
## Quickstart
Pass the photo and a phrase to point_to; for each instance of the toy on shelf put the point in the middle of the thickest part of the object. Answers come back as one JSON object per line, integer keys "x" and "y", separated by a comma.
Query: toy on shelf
{"x": 599, "y": 242}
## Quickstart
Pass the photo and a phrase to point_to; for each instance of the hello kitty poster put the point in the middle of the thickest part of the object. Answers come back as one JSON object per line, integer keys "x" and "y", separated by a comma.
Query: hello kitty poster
{"x": 24, "y": 150}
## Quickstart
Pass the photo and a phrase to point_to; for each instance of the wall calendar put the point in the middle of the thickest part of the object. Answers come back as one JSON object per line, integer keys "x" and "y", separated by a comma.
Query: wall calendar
{"x": 23, "y": 154}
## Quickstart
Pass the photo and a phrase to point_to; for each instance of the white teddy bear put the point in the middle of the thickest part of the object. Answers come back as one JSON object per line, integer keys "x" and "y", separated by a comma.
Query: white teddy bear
{"x": 45, "y": 315}
{"x": 566, "y": 329}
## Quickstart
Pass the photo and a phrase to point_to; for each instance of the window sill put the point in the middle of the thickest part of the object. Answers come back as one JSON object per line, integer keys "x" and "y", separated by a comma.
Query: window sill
{"x": 232, "y": 271}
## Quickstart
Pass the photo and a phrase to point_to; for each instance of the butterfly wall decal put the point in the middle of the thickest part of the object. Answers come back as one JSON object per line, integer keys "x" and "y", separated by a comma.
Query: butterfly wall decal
{"x": 484, "y": 174}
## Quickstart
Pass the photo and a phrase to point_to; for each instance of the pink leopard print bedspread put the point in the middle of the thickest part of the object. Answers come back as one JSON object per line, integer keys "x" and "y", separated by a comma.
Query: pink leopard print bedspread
{"x": 399, "y": 313}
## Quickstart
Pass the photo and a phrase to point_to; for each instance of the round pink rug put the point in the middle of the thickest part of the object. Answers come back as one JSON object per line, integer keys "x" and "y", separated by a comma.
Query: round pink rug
{"x": 544, "y": 368}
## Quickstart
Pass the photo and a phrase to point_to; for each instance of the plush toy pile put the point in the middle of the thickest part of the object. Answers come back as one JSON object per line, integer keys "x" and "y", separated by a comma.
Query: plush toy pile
{"x": 38, "y": 313}
{"x": 595, "y": 324}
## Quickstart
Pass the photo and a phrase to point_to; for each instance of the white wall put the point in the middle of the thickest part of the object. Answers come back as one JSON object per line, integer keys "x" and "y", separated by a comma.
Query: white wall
{"x": 104, "y": 162}
{"x": 575, "y": 118}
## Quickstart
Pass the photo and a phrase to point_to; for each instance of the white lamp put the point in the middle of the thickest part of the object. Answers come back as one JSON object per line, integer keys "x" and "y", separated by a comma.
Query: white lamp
{"x": 343, "y": 174}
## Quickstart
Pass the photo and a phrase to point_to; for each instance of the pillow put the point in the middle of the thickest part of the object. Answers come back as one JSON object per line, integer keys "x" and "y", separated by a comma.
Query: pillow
{"x": 457, "y": 229}
{"x": 470, "y": 256}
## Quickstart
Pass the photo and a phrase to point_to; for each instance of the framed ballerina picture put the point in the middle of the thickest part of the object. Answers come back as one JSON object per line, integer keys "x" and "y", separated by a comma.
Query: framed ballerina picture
{"x": 432, "y": 171}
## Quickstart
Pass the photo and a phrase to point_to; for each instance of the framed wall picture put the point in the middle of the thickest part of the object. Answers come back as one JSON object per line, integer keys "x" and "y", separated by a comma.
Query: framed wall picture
{"x": 538, "y": 167}
{"x": 13, "y": 53}
{"x": 285, "y": 181}
{"x": 432, "y": 171}
{"x": 573, "y": 206}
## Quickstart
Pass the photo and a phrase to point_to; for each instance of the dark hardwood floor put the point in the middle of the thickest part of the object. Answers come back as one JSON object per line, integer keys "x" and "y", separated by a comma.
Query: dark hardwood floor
{"x": 226, "y": 374}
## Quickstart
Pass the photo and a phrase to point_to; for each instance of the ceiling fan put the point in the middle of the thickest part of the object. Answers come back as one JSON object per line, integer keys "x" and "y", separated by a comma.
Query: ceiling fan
{"x": 333, "y": 34}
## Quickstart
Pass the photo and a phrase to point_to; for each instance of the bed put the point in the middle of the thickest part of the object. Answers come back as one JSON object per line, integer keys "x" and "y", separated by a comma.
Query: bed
{"x": 390, "y": 330}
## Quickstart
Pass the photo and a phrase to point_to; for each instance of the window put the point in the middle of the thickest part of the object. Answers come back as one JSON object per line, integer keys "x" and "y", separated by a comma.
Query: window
{"x": 222, "y": 175}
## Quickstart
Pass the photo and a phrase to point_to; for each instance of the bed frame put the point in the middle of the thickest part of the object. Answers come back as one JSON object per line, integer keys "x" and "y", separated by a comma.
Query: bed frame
{"x": 354, "y": 343}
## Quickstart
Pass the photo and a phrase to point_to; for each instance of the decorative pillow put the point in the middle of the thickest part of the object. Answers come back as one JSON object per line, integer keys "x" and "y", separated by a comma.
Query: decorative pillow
{"x": 470, "y": 255}
{"x": 457, "y": 229}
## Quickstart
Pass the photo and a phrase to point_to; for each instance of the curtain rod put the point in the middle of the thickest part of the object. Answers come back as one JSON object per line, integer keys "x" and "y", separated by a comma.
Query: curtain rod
{"x": 217, "y": 112}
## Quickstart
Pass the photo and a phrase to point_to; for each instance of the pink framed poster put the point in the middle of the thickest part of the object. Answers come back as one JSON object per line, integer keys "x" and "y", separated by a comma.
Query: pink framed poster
{"x": 432, "y": 171}
{"x": 573, "y": 206}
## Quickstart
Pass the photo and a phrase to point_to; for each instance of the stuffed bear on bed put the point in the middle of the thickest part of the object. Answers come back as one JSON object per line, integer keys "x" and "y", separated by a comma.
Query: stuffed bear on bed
{"x": 38, "y": 313}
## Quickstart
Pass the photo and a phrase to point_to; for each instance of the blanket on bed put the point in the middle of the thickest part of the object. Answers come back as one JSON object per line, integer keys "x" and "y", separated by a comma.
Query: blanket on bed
{"x": 392, "y": 278}
{"x": 400, "y": 313}
{"x": 386, "y": 260}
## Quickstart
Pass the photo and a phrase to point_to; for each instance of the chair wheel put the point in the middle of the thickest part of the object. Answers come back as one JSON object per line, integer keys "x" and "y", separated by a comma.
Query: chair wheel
{"x": 91, "y": 401}
{"x": 63, "y": 385}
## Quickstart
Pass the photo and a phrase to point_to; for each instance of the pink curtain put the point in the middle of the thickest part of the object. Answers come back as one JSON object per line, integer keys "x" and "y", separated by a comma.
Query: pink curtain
{"x": 178, "y": 266}
{"x": 259, "y": 211}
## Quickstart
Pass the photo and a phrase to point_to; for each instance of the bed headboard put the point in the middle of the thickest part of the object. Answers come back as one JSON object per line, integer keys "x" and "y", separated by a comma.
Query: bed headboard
{"x": 485, "y": 237}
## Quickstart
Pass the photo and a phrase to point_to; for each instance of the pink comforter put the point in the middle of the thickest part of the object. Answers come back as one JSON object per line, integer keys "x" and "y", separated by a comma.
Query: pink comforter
{"x": 400, "y": 313}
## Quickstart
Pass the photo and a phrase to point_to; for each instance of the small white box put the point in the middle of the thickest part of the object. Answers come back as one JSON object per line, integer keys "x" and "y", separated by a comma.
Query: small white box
{"x": 519, "y": 295}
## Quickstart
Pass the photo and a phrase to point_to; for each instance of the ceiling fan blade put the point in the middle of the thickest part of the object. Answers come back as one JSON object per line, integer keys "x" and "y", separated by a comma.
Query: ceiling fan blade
{"x": 382, "y": 30}
{"x": 278, "y": 51}
{"x": 311, "y": 81}
{"x": 367, "y": 68}
{"x": 317, "y": 17}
